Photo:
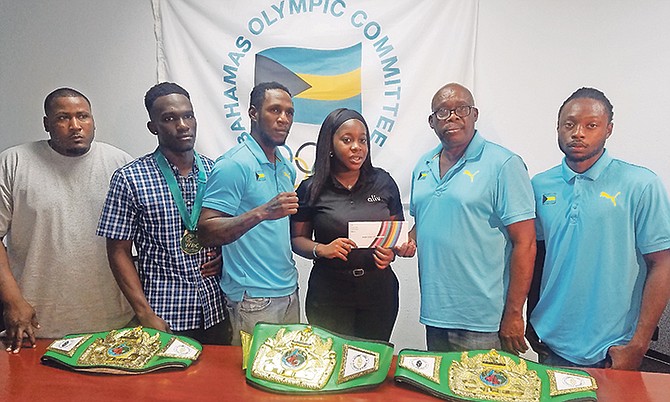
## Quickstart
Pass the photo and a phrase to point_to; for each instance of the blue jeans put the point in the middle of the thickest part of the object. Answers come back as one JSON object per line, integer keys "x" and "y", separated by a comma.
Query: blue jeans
{"x": 459, "y": 340}
{"x": 246, "y": 313}
{"x": 552, "y": 359}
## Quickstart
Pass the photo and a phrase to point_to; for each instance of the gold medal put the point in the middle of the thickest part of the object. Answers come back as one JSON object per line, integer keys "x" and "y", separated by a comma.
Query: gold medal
{"x": 189, "y": 243}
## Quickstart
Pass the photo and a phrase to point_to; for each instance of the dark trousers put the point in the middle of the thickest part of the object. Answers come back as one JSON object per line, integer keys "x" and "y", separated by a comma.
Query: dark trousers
{"x": 364, "y": 307}
{"x": 218, "y": 334}
{"x": 550, "y": 358}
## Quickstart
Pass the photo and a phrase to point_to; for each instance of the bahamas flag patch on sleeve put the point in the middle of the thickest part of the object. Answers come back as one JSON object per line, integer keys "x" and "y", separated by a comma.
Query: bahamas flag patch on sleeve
{"x": 549, "y": 198}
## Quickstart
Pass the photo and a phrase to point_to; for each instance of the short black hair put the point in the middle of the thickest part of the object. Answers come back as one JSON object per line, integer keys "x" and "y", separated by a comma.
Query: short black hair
{"x": 162, "y": 89}
{"x": 258, "y": 93}
{"x": 62, "y": 93}
{"x": 590, "y": 93}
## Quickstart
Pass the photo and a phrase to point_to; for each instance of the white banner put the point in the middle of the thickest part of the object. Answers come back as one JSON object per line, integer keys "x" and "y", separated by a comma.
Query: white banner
{"x": 385, "y": 59}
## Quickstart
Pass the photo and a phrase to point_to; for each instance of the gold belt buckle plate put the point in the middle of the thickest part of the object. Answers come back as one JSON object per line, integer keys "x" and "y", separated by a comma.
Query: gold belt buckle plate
{"x": 299, "y": 358}
{"x": 494, "y": 377}
{"x": 129, "y": 348}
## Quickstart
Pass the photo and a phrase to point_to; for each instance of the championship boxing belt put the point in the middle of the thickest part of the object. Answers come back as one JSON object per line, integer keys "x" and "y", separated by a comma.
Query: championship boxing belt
{"x": 491, "y": 376}
{"x": 123, "y": 351}
{"x": 300, "y": 359}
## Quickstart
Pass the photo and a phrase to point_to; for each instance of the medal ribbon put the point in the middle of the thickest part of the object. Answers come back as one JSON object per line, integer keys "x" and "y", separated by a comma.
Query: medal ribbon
{"x": 190, "y": 221}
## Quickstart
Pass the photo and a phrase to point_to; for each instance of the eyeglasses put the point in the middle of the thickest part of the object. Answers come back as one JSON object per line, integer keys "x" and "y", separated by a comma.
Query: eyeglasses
{"x": 461, "y": 111}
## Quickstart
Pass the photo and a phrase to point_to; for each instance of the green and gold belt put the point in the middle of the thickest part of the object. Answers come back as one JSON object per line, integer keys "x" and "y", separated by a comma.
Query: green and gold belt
{"x": 299, "y": 358}
{"x": 123, "y": 351}
{"x": 491, "y": 376}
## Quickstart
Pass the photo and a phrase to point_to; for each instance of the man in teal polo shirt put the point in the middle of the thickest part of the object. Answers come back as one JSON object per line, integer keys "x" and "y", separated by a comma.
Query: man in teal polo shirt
{"x": 473, "y": 206}
{"x": 605, "y": 227}
{"x": 248, "y": 199}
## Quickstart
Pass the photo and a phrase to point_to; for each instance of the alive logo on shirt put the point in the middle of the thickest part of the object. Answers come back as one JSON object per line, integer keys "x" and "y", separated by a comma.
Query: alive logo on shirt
{"x": 374, "y": 198}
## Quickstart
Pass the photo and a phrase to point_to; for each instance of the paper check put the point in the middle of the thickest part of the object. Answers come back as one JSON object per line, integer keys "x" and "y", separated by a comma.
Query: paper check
{"x": 381, "y": 233}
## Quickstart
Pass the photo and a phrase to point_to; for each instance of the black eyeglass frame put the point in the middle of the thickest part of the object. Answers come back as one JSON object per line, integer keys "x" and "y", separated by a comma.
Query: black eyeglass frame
{"x": 461, "y": 111}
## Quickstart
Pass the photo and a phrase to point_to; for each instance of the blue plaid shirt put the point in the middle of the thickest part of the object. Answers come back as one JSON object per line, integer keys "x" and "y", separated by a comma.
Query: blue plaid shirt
{"x": 139, "y": 207}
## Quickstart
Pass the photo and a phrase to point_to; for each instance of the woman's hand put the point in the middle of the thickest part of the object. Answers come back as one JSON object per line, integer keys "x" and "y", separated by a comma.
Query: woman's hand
{"x": 383, "y": 257}
{"x": 338, "y": 248}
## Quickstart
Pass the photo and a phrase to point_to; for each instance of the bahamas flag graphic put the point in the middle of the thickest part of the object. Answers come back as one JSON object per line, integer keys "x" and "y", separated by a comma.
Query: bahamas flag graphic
{"x": 549, "y": 198}
{"x": 319, "y": 80}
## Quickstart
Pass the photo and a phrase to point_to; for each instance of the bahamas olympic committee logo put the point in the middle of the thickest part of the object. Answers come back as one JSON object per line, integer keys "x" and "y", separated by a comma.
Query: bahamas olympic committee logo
{"x": 358, "y": 69}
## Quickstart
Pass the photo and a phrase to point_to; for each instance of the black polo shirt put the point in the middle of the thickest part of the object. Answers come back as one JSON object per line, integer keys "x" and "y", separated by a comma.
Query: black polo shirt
{"x": 374, "y": 197}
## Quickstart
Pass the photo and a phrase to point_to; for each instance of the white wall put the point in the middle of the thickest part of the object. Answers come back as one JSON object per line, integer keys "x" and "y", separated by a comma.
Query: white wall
{"x": 530, "y": 56}
{"x": 105, "y": 49}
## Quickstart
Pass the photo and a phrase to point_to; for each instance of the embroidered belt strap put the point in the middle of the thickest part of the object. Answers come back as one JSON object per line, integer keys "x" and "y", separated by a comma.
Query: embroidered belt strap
{"x": 123, "y": 351}
{"x": 299, "y": 358}
{"x": 491, "y": 376}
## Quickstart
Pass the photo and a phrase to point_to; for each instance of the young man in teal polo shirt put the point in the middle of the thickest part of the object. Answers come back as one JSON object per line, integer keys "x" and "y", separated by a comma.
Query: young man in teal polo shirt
{"x": 603, "y": 230}
{"x": 247, "y": 202}
{"x": 473, "y": 206}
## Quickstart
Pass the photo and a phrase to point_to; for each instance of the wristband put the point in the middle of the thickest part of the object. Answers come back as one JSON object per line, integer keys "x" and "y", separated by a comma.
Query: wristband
{"x": 316, "y": 257}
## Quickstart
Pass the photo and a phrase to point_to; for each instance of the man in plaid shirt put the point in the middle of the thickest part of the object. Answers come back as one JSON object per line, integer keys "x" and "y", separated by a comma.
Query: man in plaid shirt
{"x": 154, "y": 203}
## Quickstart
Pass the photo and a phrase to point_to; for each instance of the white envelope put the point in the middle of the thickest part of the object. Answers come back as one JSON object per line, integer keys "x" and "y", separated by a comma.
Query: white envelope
{"x": 380, "y": 233}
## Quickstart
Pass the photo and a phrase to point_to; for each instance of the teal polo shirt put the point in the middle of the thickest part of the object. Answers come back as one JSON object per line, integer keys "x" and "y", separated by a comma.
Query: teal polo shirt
{"x": 260, "y": 262}
{"x": 462, "y": 242}
{"x": 596, "y": 226}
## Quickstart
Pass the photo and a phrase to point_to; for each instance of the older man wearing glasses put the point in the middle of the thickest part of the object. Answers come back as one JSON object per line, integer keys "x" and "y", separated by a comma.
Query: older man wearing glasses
{"x": 473, "y": 206}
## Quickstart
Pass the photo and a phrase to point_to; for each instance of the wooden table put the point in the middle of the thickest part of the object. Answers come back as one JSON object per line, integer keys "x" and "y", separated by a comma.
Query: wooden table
{"x": 217, "y": 376}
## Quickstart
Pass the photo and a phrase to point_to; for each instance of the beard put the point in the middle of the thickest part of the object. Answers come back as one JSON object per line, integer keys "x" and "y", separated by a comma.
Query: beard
{"x": 579, "y": 158}
{"x": 77, "y": 151}
{"x": 270, "y": 140}
{"x": 70, "y": 149}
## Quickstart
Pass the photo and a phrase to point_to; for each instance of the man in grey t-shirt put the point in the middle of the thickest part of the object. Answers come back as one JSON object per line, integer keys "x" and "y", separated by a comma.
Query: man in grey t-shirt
{"x": 54, "y": 274}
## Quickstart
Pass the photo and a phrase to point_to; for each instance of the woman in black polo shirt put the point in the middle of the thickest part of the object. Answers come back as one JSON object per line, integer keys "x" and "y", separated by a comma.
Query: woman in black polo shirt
{"x": 351, "y": 291}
